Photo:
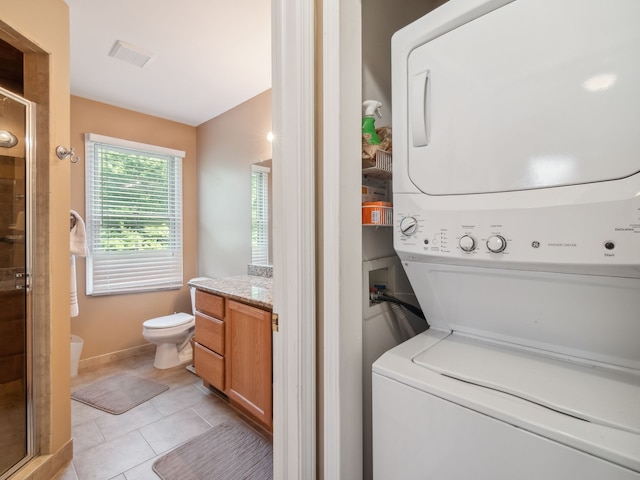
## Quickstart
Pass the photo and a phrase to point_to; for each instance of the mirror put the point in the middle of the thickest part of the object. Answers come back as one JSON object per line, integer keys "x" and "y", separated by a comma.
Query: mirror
{"x": 261, "y": 245}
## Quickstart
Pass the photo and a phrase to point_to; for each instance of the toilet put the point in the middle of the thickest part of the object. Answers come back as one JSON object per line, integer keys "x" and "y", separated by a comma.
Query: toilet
{"x": 172, "y": 336}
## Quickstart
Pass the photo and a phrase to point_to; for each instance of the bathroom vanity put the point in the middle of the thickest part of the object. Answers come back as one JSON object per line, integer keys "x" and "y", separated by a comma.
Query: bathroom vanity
{"x": 232, "y": 343}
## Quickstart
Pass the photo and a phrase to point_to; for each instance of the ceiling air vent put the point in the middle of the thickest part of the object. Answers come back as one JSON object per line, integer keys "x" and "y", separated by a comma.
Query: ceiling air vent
{"x": 130, "y": 54}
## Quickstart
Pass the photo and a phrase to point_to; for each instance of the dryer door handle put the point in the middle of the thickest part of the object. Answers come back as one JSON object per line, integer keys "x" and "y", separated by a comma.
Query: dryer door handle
{"x": 419, "y": 106}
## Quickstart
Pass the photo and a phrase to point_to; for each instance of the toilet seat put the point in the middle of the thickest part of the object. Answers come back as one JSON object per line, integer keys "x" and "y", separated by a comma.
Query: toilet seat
{"x": 168, "y": 321}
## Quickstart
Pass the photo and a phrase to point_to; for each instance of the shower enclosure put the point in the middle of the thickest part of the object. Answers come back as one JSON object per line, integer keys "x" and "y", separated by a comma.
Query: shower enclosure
{"x": 16, "y": 144}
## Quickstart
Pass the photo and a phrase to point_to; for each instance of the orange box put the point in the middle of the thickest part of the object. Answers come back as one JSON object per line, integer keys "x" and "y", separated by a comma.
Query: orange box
{"x": 377, "y": 213}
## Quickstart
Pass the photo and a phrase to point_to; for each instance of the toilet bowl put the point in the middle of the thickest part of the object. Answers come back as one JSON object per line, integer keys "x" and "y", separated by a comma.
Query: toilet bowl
{"x": 172, "y": 336}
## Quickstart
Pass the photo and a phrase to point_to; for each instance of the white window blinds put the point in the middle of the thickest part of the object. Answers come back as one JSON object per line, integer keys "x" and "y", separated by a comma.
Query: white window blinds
{"x": 133, "y": 216}
{"x": 259, "y": 215}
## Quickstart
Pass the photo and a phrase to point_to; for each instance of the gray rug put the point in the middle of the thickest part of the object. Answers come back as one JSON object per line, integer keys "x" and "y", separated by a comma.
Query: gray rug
{"x": 228, "y": 451}
{"x": 118, "y": 393}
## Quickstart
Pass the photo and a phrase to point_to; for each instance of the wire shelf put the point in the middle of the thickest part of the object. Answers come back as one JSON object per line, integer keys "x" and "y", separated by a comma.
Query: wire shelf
{"x": 382, "y": 168}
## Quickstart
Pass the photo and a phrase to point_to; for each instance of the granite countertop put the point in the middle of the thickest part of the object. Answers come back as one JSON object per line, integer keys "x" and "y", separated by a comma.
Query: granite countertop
{"x": 252, "y": 290}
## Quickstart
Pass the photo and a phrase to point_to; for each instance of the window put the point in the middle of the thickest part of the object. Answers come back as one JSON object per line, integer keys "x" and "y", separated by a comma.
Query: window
{"x": 259, "y": 215}
{"x": 133, "y": 216}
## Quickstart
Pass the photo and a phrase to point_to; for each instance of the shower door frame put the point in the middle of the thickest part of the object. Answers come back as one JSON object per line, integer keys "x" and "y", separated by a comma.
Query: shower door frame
{"x": 29, "y": 234}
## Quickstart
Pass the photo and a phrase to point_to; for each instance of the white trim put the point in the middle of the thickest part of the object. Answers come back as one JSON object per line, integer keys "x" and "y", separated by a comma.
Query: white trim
{"x": 331, "y": 253}
{"x": 119, "y": 142}
{"x": 342, "y": 240}
{"x": 294, "y": 287}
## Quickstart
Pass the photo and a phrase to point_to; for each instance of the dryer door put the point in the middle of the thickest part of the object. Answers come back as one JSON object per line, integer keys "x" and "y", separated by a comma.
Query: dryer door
{"x": 535, "y": 94}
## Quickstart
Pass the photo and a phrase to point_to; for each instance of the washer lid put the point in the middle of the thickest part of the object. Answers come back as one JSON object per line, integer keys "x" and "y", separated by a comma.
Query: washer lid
{"x": 591, "y": 393}
{"x": 173, "y": 320}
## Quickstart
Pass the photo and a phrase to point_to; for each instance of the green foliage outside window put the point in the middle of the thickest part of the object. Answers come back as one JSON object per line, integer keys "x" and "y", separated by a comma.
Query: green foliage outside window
{"x": 135, "y": 200}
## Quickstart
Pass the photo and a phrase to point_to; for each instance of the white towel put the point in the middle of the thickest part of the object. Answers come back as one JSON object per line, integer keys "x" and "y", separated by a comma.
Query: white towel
{"x": 73, "y": 289}
{"x": 78, "y": 246}
{"x": 78, "y": 236}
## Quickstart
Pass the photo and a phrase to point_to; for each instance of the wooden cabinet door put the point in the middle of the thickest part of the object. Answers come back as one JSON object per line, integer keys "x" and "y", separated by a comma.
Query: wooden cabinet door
{"x": 248, "y": 360}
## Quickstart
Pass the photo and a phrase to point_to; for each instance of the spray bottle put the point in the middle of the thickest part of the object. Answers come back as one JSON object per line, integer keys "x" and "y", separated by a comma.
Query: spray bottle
{"x": 371, "y": 107}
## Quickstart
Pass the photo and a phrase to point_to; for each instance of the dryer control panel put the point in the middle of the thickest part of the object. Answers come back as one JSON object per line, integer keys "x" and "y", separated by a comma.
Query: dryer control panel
{"x": 570, "y": 238}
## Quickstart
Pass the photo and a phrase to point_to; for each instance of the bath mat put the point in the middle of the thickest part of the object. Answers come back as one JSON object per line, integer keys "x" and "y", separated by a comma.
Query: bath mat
{"x": 118, "y": 393}
{"x": 228, "y": 451}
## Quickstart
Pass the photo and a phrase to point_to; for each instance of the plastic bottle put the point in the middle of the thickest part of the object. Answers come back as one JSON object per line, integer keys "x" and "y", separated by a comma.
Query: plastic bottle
{"x": 371, "y": 108}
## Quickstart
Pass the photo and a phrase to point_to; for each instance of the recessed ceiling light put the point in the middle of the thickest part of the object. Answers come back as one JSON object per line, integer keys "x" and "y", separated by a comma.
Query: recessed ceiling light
{"x": 130, "y": 54}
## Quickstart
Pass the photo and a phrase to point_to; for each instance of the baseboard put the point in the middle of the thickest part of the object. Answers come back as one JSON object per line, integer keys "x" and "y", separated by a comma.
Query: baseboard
{"x": 100, "y": 360}
{"x": 45, "y": 467}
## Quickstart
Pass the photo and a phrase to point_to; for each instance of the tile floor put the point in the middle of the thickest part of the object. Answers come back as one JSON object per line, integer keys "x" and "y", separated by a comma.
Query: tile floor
{"x": 123, "y": 447}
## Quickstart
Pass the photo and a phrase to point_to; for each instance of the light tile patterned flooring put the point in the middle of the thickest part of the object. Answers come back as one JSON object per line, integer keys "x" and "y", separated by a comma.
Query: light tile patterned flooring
{"x": 123, "y": 447}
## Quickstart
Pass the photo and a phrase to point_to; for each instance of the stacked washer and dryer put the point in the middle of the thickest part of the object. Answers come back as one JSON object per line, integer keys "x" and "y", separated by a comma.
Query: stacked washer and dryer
{"x": 517, "y": 220}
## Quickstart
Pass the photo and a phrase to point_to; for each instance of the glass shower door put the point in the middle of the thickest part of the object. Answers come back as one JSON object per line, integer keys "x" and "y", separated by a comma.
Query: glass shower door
{"x": 15, "y": 346}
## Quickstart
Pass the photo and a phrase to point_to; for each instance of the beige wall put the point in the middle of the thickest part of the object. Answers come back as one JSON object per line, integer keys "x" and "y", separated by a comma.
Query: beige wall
{"x": 227, "y": 146}
{"x": 112, "y": 323}
{"x": 41, "y": 30}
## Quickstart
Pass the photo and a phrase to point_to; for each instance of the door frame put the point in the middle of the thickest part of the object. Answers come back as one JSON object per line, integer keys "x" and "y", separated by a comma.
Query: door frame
{"x": 294, "y": 239}
{"x": 317, "y": 239}
{"x": 341, "y": 84}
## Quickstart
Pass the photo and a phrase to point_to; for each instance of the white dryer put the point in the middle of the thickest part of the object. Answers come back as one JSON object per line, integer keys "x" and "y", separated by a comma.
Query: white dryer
{"x": 517, "y": 220}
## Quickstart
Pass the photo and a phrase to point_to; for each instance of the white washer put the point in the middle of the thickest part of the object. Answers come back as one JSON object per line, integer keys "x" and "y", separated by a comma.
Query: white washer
{"x": 517, "y": 219}
{"x": 441, "y": 412}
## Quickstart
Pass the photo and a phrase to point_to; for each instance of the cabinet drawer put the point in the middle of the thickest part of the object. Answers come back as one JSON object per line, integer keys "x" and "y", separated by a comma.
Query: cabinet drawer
{"x": 210, "y": 332}
{"x": 210, "y": 304}
{"x": 209, "y": 366}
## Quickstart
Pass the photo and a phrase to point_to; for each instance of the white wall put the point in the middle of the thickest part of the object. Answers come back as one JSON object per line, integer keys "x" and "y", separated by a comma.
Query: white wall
{"x": 380, "y": 19}
{"x": 227, "y": 145}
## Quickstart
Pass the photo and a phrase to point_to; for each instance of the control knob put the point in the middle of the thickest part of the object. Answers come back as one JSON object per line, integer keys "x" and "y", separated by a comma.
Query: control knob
{"x": 467, "y": 243}
{"x": 408, "y": 226}
{"x": 496, "y": 243}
